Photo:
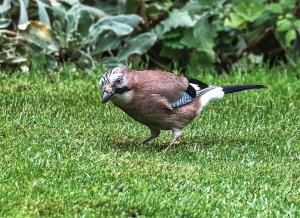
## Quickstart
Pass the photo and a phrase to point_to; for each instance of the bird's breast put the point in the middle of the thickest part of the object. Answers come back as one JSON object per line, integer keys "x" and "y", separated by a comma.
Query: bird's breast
{"x": 153, "y": 114}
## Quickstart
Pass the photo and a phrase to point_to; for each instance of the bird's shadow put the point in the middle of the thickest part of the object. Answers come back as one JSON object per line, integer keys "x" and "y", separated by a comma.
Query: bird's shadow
{"x": 185, "y": 144}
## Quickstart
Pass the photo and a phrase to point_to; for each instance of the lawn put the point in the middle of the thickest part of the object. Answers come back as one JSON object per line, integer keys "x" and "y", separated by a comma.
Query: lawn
{"x": 65, "y": 154}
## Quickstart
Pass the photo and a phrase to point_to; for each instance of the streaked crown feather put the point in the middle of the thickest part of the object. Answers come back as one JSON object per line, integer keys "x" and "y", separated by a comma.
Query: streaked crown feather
{"x": 111, "y": 75}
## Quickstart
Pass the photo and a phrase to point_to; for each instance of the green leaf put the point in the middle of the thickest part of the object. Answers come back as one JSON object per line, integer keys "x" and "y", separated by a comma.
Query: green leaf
{"x": 121, "y": 25}
{"x": 59, "y": 14}
{"x": 194, "y": 7}
{"x": 174, "y": 43}
{"x": 264, "y": 20}
{"x": 84, "y": 60}
{"x": 289, "y": 15}
{"x": 154, "y": 10}
{"x": 289, "y": 37}
{"x": 177, "y": 19}
{"x": 297, "y": 24}
{"x": 106, "y": 42}
{"x": 41, "y": 35}
{"x": 159, "y": 31}
{"x": 43, "y": 15}
{"x": 274, "y": 8}
{"x": 4, "y": 22}
{"x": 59, "y": 32}
{"x": 250, "y": 11}
{"x": 70, "y": 2}
{"x": 201, "y": 4}
{"x": 23, "y": 17}
{"x": 132, "y": 6}
{"x": 79, "y": 19}
{"x": 5, "y": 6}
{"x": 288, "y": 4}
{"x": 204, "y": 32}
{"x": 201, "y": 37}
{"x": 106, "y": 24}
{"x": 85, "y": 20}
{"x": 96, "y": 12}
{"x": 173, "y": 34}
{"x": 200, "y": 61}
{"x": 131, "y": 19}
{"x": 235, "y": 21}
{"x": 188, "y": 39}
{"x": 283, "y": 25}
{"x": 137, "y": 45}
{"x": 171, "y": 53}
{"x": 9, "y": 58}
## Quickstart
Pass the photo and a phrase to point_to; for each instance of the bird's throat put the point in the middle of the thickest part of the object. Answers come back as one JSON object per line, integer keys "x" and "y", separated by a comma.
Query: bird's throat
{"x": 122, "y": 97}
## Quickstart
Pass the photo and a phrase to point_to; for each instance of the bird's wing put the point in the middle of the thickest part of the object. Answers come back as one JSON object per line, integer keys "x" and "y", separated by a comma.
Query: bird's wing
{"x": 194, "y": 91}
{"x": 164, "y": 84}
{"x": 157, "y": 100}
{"x": 176, "y": 90}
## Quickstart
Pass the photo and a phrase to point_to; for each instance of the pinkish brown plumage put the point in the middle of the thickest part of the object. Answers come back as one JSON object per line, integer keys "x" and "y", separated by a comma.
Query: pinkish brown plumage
{"x": 160, "y": 100}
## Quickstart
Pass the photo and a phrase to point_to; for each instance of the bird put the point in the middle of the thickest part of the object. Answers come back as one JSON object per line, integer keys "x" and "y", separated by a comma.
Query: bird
{"x": 161, "y": 100}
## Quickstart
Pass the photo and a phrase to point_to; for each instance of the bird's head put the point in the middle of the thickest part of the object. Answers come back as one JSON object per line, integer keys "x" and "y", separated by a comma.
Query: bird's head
{"x": 113, "y": 83}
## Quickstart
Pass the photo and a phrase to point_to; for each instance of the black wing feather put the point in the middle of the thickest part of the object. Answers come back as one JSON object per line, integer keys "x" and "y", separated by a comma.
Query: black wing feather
{"x": 201, "y": 84}
{"x": 191, "y": 93}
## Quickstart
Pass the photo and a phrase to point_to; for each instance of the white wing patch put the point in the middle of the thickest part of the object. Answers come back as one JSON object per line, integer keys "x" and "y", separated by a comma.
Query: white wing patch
{"x": 200, "y": 92}
{"x": 194, "y": 92}
{"x": 195, "y": 86}
{"x": 215, "y": 93}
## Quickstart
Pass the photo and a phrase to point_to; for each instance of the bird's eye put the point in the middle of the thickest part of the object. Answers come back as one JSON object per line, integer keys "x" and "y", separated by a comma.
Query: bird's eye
{"x": 119, "y": 81}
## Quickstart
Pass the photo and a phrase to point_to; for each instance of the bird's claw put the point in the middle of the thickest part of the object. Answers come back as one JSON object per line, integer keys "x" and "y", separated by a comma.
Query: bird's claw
{"x": 170, "y": 146}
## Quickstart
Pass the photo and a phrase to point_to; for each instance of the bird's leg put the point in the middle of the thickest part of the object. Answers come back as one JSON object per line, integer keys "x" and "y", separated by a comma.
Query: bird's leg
{"x": 176, "y": 134}
{"x": 154, "y": 133}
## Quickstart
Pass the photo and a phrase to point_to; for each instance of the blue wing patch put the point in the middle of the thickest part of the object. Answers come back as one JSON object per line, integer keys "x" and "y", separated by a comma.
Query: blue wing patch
{"x": 185, "y": 99}
{"x": 195, "y": 89}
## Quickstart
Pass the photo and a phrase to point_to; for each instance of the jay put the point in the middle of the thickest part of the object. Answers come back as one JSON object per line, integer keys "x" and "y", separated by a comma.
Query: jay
{"x": 161, "y": 100}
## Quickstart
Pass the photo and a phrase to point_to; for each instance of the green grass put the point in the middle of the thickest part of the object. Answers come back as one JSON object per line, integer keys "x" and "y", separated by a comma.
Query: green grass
{"x": 63, "y": 153}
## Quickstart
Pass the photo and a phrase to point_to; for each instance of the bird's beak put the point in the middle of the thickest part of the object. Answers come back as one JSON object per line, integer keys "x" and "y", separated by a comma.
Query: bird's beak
{"x": 106, "y": 96}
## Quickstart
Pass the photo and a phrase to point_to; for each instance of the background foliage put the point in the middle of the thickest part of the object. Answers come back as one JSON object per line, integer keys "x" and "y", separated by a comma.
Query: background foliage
{"x": 186, "y": 35}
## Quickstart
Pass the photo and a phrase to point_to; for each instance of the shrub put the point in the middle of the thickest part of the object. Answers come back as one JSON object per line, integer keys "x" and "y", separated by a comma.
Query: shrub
{"x": 52, "y": 32}
{"x": 189, "y": 35}
{"x": 218, "y": 34}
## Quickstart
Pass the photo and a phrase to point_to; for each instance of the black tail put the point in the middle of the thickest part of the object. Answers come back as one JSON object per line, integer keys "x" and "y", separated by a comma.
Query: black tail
{"x": 238, "y": 88}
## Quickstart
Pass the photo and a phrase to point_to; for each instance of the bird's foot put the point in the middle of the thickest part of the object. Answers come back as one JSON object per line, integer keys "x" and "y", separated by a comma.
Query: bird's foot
{"x": 141, "y": 142}
{"x": 176, "y": 134}
{"x": 145, "y": 140}
{"x": 166, "y": 149}
{"x": 154, "y": 134}
{"x": 170, "y": 146}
